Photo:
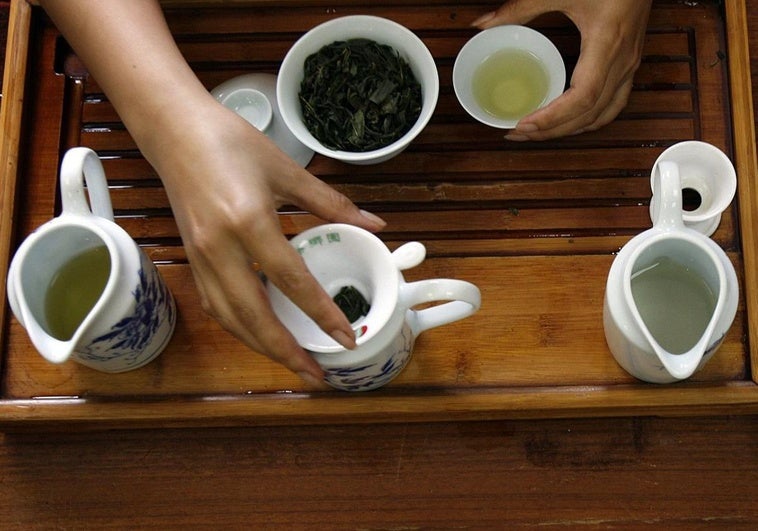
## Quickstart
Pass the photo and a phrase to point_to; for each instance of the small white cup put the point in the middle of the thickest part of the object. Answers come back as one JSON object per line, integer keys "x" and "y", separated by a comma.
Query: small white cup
{"x": 253, "y": 97}
{"x": 252, "y": 105}
{"x": 706, "y": 172}
{"x": 500, "y": 38}
{"x": 340, "y": 255}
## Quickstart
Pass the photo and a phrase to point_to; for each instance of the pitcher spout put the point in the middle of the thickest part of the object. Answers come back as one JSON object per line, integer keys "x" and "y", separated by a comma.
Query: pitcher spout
{"x": 682, "y": 366}
{"x": 57, "y": 285}
{"x": 52, "y": 349}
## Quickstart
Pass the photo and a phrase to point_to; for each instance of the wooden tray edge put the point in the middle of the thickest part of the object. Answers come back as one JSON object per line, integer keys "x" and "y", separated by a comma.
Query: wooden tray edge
{"x": 380, "y": 407}
{"x": 11, "y": 114}
{"x": 745, "y": 162}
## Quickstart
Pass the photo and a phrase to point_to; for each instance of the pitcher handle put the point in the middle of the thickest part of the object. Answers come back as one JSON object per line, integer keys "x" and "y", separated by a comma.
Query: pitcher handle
{"x": 465, "y": 299}
{"x": 667, "y": 190}
{"x": 78, "y": 162}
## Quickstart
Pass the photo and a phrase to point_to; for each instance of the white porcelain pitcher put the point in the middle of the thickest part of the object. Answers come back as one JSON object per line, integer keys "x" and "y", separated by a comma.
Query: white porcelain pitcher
{"x": 339, "y": 256}
{"x": 133, "y": 315}
{"x": 671, "y": 293}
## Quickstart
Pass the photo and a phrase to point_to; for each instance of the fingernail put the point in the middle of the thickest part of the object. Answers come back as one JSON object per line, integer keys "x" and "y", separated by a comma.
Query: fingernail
{"x": 527, "y": 128}
{"x": 343, "y": 339}
{"x": 484, "y": 18}
{"x": 310, "y": 379}
{"x": 373, "y": 218}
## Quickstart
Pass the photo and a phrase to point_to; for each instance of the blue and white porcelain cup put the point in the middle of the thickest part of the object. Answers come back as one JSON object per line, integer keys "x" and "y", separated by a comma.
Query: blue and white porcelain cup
{"x": 344, "y": 256}
{"x": 131, "y": 315}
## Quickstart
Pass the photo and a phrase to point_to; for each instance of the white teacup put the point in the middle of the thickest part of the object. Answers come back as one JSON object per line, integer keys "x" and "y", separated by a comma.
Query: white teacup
{"x": 705, "y": 171}
{"x": 339, "y": 256}
{"x": 509, "y": 93}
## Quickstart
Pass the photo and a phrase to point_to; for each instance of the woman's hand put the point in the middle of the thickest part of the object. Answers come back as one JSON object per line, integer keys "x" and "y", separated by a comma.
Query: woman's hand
{"x": 224, "y": 178}
{"x": 225, "y": 184}
{"x": 613, "y": 34}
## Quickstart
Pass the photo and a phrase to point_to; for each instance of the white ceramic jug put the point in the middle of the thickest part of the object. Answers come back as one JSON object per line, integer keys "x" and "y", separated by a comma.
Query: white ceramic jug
{"x": 671, "y": 293}
{"x": 340, "y": 256}
{"x": 133, "y": 313}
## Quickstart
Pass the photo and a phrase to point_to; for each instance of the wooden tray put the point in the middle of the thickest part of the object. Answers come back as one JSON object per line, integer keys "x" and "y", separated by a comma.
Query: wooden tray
{"x": 535, "y": 225}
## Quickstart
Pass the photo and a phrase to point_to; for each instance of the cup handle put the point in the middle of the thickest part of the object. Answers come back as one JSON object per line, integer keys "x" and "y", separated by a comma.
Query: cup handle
{"x": 465, "y": 299}
{"x": 667, "y": 190}
{"x": 78, "y": 162}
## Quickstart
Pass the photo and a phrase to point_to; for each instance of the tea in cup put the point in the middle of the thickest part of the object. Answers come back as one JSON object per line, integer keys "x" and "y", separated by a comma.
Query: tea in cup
{"x": 344, "y": 258}
{"x": 507, "y": 72}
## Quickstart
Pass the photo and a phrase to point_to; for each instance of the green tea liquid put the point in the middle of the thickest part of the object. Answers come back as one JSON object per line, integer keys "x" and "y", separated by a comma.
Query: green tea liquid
{"x": 510, "y": 84}
{"x": 74, "y": 290}
{"x": 675, "y": 304}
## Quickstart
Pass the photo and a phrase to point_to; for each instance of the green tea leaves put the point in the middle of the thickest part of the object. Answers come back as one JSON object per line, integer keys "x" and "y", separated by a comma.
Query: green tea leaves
{"x": 358, "y": 95}
{"x": 352, "y": 303}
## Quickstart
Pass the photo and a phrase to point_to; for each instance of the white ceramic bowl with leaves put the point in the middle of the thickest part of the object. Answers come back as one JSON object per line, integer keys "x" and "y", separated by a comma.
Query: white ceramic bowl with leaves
{"x": 382, "y": 31}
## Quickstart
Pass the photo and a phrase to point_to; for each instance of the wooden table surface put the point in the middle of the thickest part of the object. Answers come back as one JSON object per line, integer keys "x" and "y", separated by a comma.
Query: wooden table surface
{"x": 594, "y": 473}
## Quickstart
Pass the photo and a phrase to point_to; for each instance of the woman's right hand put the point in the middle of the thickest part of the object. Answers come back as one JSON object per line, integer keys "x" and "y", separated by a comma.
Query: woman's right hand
{"x": 225, "y": 185}
{"x": 613, "y": 33}
{"x": 224, "y": 178}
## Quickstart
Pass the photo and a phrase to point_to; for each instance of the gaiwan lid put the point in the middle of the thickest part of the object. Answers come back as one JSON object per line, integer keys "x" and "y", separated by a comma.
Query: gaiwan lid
{"x": 253, "y": 97}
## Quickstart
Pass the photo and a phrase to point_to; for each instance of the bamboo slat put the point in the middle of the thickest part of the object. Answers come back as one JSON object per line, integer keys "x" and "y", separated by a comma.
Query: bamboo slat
{"x": 745, "y": 162}
{"x": 11, "y": 116}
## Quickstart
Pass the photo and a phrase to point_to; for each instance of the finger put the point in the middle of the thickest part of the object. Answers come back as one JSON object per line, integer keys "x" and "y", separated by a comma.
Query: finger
{"x": 613, "y": 108}
{"x": 516, "y": 12}
{"x": 591, "y": 90}
{"x": 578, "y": 126}
{"x": 608, "y": 112}
{"x": 327, "y": 203}
{"x": 571, "y": 112}
{"x": 299, "y": 187}
{"x": 236, "y": 298}
{"x": 284, "y": 266}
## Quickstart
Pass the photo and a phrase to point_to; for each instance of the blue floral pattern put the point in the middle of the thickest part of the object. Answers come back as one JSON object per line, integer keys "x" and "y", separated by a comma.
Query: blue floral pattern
{"x": 374, "y": 375}
{"x": 133, "y": 339}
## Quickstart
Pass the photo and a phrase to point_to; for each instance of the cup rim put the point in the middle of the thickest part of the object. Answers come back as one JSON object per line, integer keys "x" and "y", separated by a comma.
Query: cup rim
{"x": 256, "y": 99}
{"x": 491, "y": 40}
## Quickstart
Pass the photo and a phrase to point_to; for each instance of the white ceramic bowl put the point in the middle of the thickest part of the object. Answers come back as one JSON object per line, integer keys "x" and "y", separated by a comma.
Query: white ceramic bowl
{"x": 381, "y": 30}
{"x": 496, "y": 39}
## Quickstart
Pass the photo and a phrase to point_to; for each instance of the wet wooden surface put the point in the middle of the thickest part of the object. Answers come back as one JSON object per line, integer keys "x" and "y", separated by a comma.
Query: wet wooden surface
{"x": 596, "y": 473}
